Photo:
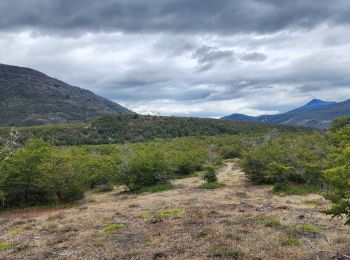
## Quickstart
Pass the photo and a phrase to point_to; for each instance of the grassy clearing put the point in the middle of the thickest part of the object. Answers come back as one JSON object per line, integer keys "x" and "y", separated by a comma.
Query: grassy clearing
{"x": 19, "y": 230}
{"x": 267, "y": 221}
{"x": 4, "y": 246}
{"x": 169, "y": 213}
{"x": 211, "y": 185}
{"x": 227, "y": 252}
{"x": 296, "y": 230}
{"x": 155, "y": 188}
{"x": 112, "y": 228}
{"x": 287, "y": 241}
{"x": 293, "y": 189}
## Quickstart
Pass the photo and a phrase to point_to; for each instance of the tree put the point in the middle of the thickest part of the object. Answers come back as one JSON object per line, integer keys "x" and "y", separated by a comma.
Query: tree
{"x": 337, "y": 173}
{"x": 21, "y": 178}
{"x": 210, "y": 174}
{"x": 147, "y": 166}
{"x": 62, "y": 181}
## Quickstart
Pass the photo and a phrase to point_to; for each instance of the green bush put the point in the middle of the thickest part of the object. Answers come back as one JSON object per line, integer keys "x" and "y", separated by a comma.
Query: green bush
{"x": 211, "y": 185}
{"x": 146, "y": 167}
{"x": 232, "y": 151}
{"x": 287, "y": 158}
{"x": 156, "y": 188}
{"x": 62, "y": 180}
{"x": 21, "y": 180}
{"x": 337, "y": 172}
{"x": 210, "y": 174}
{"x": 288, "y": 188}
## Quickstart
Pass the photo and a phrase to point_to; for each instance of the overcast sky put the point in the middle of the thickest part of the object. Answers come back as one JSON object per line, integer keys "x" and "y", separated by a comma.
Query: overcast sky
{"x": 186, "y": 57}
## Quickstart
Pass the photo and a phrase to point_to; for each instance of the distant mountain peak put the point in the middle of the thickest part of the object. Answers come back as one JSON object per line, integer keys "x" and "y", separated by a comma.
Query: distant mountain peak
{"x": 316, "y": 113}
{"x": 317, "y": 103}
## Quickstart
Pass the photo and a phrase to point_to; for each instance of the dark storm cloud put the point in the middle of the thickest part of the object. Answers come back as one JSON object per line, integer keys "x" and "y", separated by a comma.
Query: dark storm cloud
{"x": 224, "y": 16}
{"x": 186, "y": 57}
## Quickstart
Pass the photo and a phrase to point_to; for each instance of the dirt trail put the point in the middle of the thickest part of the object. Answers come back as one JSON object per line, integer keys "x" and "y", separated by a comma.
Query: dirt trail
{"x": 229, "y": 174}
{"x": 237, "y": 219}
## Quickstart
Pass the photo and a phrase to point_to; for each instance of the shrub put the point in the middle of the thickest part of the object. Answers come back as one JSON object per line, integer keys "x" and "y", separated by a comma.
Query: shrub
{"x": 21, "y": 179}
{"x": 211, "y": 185}
{"x": 287, "y": 188}
{"x": 337, "y": 172}
{"x": 287, "y": 158}
{"x": 146, "y": 167}
{"x": 233, "y": 151}
{"x": 210, "y": 174}
{"x": 64, "y": 183}
{"x": 156, "y": 188}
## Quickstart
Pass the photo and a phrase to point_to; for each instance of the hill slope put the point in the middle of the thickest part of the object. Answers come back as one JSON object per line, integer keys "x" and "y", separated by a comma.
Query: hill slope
{"x": 29, "y": 97}
{"x": 316, "y": 113}
{"x": 137, "y": 128}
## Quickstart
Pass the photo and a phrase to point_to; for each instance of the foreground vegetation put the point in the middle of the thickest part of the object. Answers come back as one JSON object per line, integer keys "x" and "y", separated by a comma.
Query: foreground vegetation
{"x": 294, "y": 162}
{"x": 311, "y": 163}
{"x": 237, "y": 221}
{"x": 40, "y": 173}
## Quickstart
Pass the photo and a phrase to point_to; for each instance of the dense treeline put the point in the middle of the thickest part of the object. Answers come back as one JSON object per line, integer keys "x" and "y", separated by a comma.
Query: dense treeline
{"x": 137, "y": 128}
{"x": 305, "y": 163}
{"x": 41, "y": 173}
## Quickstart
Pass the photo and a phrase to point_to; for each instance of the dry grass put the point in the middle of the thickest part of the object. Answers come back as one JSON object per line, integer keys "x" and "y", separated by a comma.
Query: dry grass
{"x": 237, "y": 221}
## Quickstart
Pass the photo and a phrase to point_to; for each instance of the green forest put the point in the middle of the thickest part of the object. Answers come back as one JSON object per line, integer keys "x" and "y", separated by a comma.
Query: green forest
{"x": 36, "y": 171}
{"x": 137, "y": 128}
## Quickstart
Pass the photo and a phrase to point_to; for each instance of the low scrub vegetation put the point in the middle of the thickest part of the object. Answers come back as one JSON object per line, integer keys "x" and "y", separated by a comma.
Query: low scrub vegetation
{"x": 40, "y": 173}
{"x": 305, "y": 163}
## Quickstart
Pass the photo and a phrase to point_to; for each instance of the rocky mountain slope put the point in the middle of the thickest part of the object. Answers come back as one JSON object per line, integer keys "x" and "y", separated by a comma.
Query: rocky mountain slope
{"x": 29, "y": 97}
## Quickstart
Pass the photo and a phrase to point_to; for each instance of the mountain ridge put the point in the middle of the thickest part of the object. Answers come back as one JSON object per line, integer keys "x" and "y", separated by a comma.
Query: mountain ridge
{"x": 316, "y": 113}
{"x": 30, "y": 97}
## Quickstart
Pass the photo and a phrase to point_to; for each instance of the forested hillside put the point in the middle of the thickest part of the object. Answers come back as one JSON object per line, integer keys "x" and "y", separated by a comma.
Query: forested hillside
{"x": 137, "y": 128}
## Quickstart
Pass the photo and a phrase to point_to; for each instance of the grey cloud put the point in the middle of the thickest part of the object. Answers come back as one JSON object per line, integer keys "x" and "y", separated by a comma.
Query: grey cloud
{"x": 254, "y": 56}
{"x": 180, "y": 16}
{"x": 198, "y": 57}
{"x": 207, "y": 56}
